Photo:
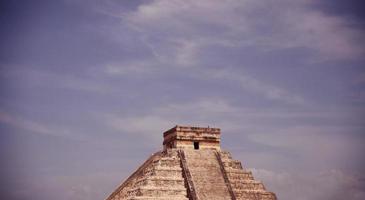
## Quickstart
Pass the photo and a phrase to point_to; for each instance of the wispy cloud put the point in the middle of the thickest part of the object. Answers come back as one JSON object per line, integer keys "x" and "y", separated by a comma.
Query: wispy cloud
{"x": 314, "y": 147}
{"x": 310, "y": 139}
{"x": 147, "y": 125}
{"x": 29, "y": 125}
{"x": 68, "y": 186}
{"x": 179, "y": 33}
{"x": 246, "y": 82}
{"x": 267, "y": 125}
{"x": 254, "y": 85}
{"x": 157, "y": 120}
{"x": 131, "y": 68}
{"x": 42, "y": 128}
{"x": 284, "y": 24}
{"x": 330, "y": 184}
{"x": 48, "y": 79}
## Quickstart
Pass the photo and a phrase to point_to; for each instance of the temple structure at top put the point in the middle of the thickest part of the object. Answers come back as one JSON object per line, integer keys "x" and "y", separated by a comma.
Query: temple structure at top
{"x": 192, "y": 138}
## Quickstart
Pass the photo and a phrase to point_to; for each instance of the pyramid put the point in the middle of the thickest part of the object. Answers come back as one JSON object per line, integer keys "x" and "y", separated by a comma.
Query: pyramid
{"x": 191, "y": 166}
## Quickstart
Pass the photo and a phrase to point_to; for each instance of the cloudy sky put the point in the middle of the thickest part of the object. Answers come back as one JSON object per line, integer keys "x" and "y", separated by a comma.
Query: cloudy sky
{"x": 88, "y": 87}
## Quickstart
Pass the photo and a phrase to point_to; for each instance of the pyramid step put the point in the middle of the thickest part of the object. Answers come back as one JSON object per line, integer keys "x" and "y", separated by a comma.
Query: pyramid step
{"x": 247, "y": 185}
{"x": 225, "y": 155}
{"x": 254, "y": 194}
{"x": 169, "y": 162}
{"x": 213, "y": 170}
{"x": 160, "y": 181}
{"x": 165, "y": 172}
{"x": 158, "y": 191}
{"x": 177, "y": 197}
{"x": 239, "y": 175}
{"x": 233, "y": 164}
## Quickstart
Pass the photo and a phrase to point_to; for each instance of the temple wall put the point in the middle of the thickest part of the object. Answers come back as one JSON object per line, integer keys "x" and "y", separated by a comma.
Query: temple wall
{"x": 184, "y": 137}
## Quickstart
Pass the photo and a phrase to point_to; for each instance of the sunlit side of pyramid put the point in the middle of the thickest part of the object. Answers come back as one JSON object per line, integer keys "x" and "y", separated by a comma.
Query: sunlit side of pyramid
{"x": 191, "y": 166}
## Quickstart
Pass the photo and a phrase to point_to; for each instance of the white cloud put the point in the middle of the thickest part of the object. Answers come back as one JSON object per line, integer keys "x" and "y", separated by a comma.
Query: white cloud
{"x": 330, "y": 35}
{"x": 178, "y": 32}
{"x": 318, "y": 146}
{"x": 47, "y": 79}
{"x": 96, "y": 185}
{"x": 138, "y": 67}
{"x": 320, "y": 185}
{"x": 269, "y": 25}
{"x": 146, "y": 125}
{"x": 203, "y": 112}
{"x": 203, "y": 106}
{"x": 314, "y": 138}
{"x": 270, "y": 126}
{"x": 245, "y": 82}
{"x": 251, "y": 84}
{"x": 31, "y": 126}
{"x": 24, "y": 124}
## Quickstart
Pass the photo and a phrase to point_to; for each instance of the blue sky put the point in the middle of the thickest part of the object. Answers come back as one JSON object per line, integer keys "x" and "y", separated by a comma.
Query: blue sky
{"x": 88, "y": 87}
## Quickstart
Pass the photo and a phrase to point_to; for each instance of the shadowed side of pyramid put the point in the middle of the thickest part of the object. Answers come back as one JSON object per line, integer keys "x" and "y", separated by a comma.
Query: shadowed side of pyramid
{"x": 191, "y": 166}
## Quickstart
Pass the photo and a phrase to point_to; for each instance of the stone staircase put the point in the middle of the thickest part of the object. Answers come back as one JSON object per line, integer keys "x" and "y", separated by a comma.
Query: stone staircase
{"x": 206, "y": 174}
{"x": 242, "y": 182}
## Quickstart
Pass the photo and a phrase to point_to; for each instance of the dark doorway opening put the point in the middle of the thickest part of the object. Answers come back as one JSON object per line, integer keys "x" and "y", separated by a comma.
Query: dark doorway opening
{"x": 196, "y": 145}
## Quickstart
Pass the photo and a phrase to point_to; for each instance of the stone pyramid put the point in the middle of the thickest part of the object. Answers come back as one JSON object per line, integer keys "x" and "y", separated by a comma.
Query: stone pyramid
{"x": 191, "y": 166}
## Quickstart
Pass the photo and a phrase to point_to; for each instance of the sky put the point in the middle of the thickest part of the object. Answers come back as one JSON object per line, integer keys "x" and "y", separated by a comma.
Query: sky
{"x": 88, "y": 87}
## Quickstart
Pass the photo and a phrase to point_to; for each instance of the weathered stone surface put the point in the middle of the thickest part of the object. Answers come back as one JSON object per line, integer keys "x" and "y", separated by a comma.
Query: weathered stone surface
{"x": 191, "y": 166}
{"x": 206, "y": 174}
{"x": 184, "y": 137}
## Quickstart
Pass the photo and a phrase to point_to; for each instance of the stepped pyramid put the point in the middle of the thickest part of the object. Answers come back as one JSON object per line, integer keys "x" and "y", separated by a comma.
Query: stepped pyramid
{"x": 191, "y": 166}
